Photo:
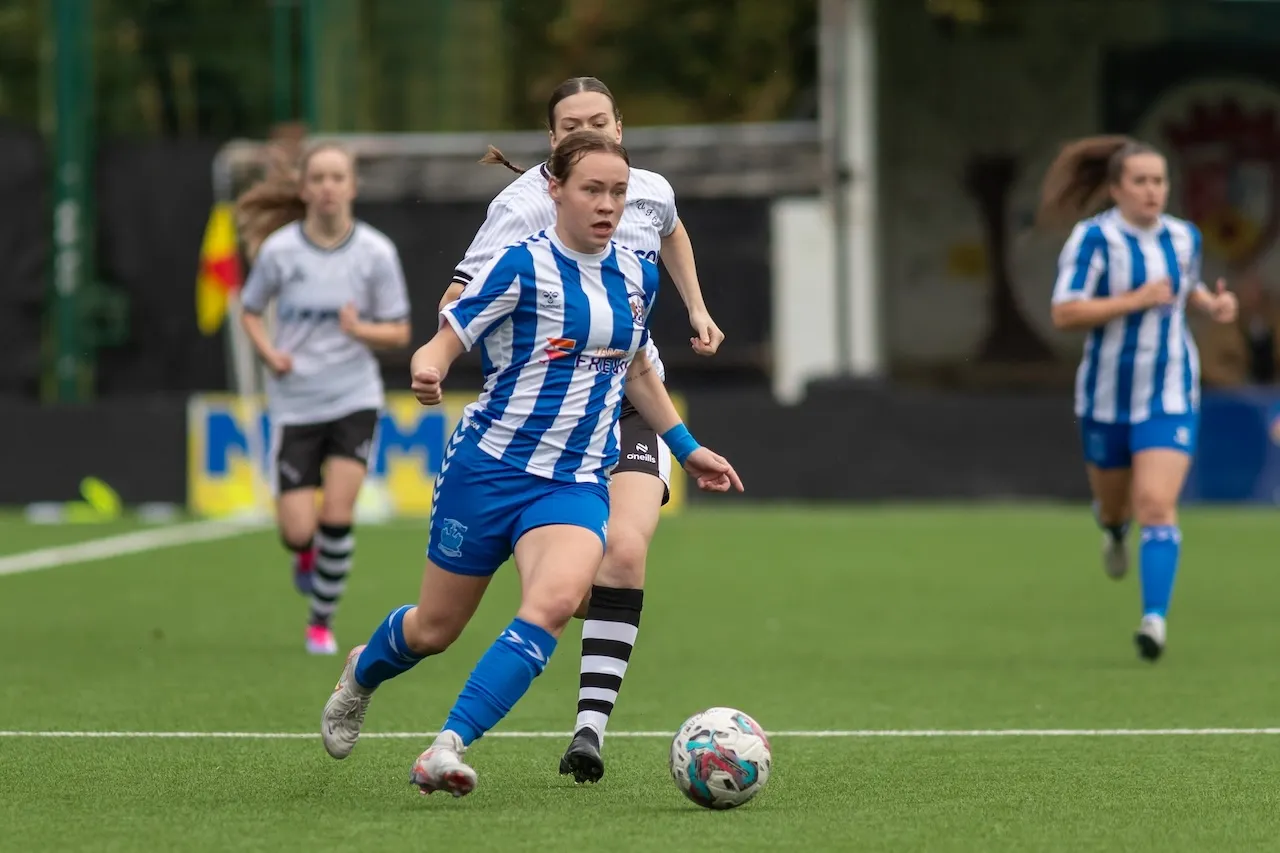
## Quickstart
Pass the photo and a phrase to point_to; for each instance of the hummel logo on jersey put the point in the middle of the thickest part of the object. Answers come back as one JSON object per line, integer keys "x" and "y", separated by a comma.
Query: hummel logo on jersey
{"x": 558, "y": 348}
{"x": 550, "y": 298}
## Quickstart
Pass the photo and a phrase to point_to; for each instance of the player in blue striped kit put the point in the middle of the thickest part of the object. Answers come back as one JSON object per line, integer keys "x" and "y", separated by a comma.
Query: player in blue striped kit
{"x": 651, "y": 227}
{"x": 1128, "y": 276}
{"x": 562, "y": 321}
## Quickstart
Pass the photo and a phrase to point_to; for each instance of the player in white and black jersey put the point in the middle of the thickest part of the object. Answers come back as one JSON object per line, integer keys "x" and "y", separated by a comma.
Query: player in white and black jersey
{"x": 340, "y": 294}
{"x": 651, "y": 228}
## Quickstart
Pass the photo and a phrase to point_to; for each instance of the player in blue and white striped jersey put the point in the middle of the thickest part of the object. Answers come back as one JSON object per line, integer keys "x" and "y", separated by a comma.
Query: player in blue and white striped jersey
{"x": 562, "y": 317}
{"x": 650, "y": 227}
{"x": 1128, "y": 275}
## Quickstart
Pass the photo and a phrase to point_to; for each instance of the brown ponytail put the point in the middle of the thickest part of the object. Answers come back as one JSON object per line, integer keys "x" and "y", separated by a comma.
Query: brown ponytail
{"x": 1077, "y": 182}
{"x": 494, "y": 157}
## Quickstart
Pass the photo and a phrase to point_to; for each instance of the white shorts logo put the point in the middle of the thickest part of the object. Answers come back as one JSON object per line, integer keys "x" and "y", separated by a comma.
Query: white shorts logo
{"x": 642, "y": 454}
{"x": 452, "y": 533}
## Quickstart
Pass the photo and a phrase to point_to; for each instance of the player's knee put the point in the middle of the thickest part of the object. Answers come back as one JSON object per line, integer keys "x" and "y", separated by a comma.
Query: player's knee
{"x": 1153, "y": 507}
{"x": 296, "y": 534}
{"x": 552, "y": 609}
{"x": 429, "y": 636}
{"x": 624, "y": 559}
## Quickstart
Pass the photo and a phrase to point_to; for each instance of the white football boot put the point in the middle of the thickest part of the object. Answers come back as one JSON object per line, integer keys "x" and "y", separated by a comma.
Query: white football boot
{"x": 343, "y": 715}
{"x": 1150, "y": 637}
{"x": 441, "y": 768}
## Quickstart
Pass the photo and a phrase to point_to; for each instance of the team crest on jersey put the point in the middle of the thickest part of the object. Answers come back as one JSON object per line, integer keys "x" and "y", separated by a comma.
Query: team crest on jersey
{"x": 1225, "y": 151}
{"x": 649, "y": 209}
{"x": 637, "y": 310}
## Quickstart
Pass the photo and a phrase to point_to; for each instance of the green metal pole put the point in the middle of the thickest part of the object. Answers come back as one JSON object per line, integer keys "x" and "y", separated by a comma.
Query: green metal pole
{"x": 282, "y": 59}
{"x": 72, "y": 246}
{"x": 312, "y": 31}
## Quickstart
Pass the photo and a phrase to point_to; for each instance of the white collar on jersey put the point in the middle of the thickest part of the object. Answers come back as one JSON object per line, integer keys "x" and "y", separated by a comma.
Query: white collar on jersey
{"x": 593, "y": 258}
{"x": 1125, "y": 225}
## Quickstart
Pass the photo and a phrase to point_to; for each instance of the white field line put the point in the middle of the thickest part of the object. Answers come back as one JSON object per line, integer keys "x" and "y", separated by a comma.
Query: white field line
{"x": 125, "y": 543}
{"x": 836, "y": 733}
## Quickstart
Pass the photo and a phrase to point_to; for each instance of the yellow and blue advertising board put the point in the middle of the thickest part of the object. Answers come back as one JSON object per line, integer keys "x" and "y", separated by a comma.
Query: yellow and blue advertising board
{"x": 229, "y": 438}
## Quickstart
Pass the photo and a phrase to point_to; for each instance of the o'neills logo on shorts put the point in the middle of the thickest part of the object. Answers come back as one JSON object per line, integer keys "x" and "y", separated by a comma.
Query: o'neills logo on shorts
{"x": 642, "y": 454}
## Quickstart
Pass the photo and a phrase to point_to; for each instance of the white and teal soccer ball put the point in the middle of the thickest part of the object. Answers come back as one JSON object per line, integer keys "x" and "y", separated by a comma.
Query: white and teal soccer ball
{"x": 720, "y": 758}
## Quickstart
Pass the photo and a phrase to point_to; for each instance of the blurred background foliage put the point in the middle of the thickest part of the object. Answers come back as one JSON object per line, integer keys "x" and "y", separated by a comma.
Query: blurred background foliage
{"x": 220, "y": 68}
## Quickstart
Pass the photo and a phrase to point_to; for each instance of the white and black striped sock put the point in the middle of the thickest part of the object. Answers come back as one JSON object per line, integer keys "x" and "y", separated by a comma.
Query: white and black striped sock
{"x": 608, "y": 636}
{"x": 334, "y": 548}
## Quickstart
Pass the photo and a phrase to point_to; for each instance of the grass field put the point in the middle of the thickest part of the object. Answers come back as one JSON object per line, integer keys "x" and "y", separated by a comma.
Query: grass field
{"x": 846, "y": 621}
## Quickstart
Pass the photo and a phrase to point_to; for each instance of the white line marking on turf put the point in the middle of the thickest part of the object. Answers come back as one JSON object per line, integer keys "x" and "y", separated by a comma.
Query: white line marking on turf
{"x": 851, "y": 733}
{"x": 124, "y": 543}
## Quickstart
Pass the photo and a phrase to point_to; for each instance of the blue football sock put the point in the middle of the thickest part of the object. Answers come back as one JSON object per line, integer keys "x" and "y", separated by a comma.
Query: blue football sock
{"x": 386, "y": 655}
{"x": 500, "y": 678}
{"x": 1159, "y": 566}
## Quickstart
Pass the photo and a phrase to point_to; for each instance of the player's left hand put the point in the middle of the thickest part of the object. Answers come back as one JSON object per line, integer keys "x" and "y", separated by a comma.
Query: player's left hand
{"x": 712, "y": 471}
{"x": 708, "y": 337}
{"x": 1225, "y": 306}
{"x": 426, "y": 386}
{"x": 349, "y": 320}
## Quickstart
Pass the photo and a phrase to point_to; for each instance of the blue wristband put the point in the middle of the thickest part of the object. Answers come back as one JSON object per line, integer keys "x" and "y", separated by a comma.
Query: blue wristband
{"x": 681, "y": 443}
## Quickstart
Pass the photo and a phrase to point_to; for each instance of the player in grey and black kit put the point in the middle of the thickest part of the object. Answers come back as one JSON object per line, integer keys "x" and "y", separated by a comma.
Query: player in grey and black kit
{"x": 339, "y": 293}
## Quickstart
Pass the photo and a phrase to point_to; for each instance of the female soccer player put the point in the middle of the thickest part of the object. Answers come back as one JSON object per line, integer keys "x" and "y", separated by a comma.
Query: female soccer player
{"x": 562, "y": 319}
{"x": 340, "y": 293}
{"x": 1127, "y": 275}
{"x": 640, "y": 486}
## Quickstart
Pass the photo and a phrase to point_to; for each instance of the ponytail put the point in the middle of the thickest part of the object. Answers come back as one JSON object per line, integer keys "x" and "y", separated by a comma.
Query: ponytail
{"x": 1077, "y": 183}
{"x": 494, "y": 157}
{"x": 276, "y": 200}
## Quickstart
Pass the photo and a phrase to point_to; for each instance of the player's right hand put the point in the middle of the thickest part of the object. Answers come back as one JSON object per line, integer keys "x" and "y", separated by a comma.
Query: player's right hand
{"x": 279, "y": 363}
{"x": 1155, "y": 293}
{"x": 426, "y": 386}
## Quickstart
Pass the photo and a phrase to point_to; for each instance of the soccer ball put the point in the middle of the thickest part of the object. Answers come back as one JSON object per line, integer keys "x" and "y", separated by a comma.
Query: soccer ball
{"x": 720, "y": 758}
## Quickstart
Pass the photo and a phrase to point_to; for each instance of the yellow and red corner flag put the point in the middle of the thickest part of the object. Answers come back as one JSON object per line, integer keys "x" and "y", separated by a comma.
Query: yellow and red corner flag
{"x": 220, "y": 273}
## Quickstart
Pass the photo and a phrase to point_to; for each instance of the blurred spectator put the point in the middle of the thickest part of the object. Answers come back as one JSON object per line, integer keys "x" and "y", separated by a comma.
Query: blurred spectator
{"x": 1249, "y": 352}
{"x": 1259, "y": 322}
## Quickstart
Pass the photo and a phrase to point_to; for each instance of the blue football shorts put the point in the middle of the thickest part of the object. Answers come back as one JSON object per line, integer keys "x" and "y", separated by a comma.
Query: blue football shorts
{"x": 482, "y": 506}
{"x": 1110, "y": 446}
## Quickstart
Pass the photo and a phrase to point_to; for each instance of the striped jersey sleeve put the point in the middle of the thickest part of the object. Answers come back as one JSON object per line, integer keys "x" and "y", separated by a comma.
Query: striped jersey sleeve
{"x": 649, "y": 279}
{"x": 491, "y": 296}
{"x": 1082, "y": 264}
{"x": 1195, "y": 270}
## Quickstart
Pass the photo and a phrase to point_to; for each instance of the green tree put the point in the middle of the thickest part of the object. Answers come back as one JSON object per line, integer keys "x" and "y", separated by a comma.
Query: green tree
{"x": 669, "y": 61}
